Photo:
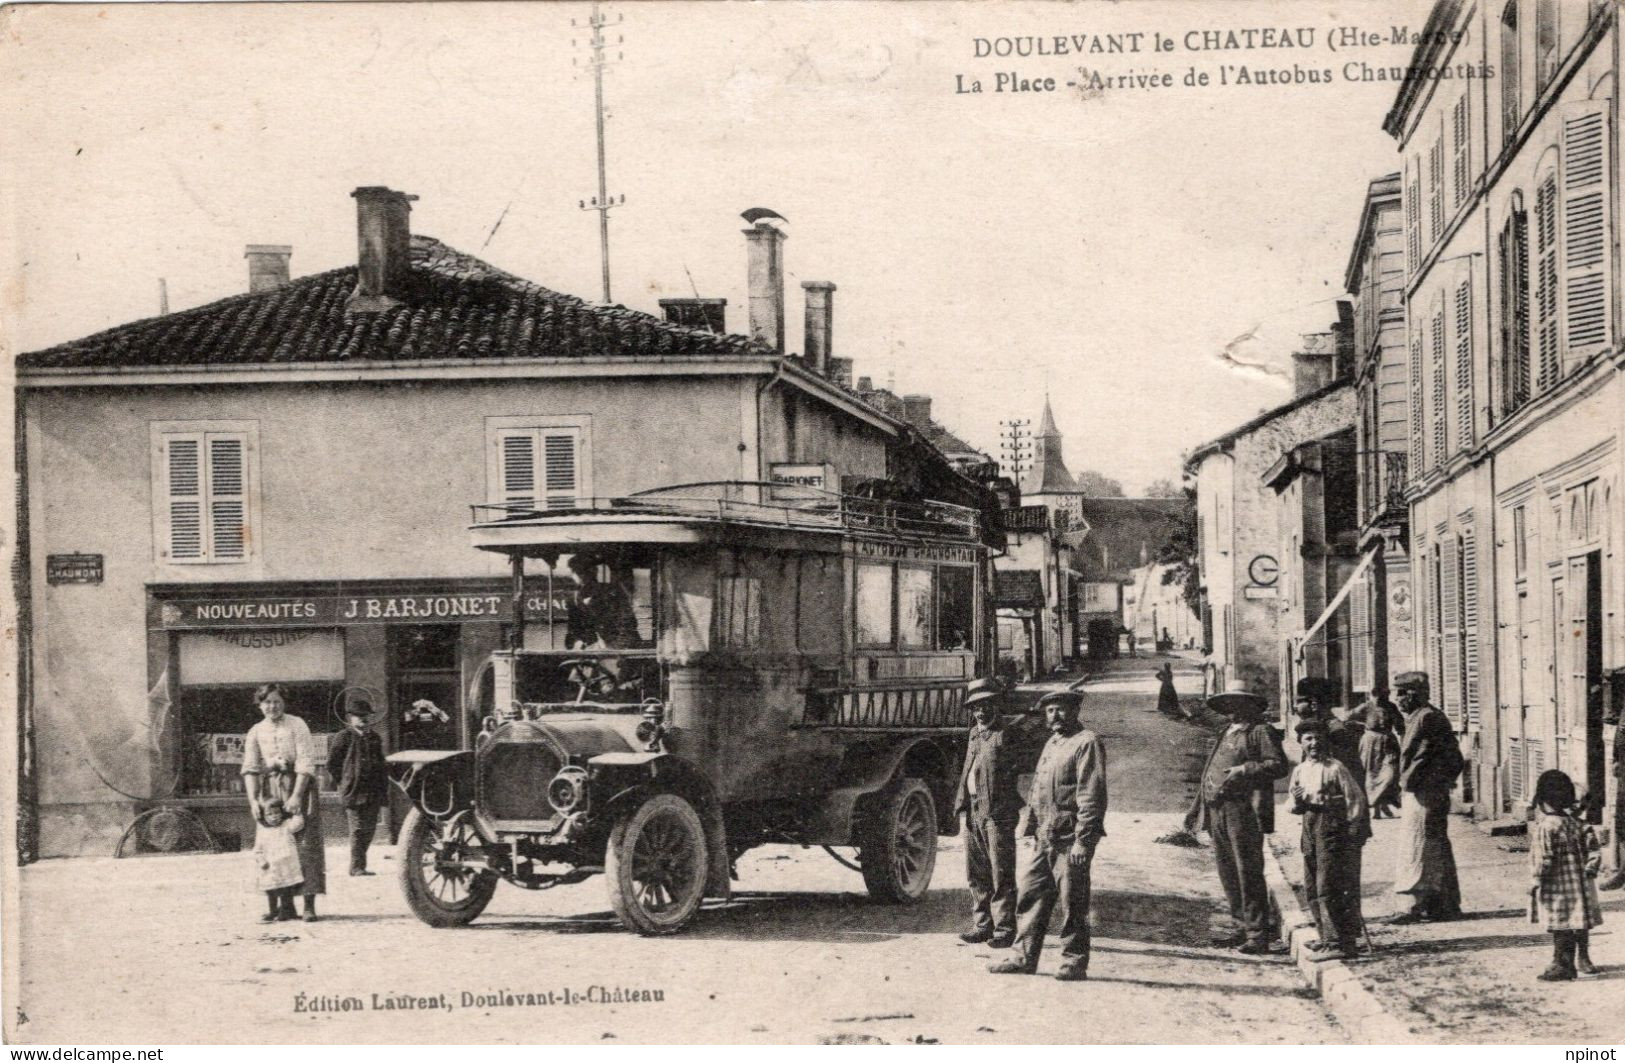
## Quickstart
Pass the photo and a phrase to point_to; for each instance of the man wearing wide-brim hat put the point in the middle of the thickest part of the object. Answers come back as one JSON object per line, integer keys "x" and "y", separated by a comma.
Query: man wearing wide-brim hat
{"x": 355, "y": 759}
{"x": 1235, "y": 804}
{"x": 988, "y": 798}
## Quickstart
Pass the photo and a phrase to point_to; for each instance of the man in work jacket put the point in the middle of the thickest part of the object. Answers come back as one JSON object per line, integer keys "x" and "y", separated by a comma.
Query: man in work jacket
{"x": 996, "y": 753}
{"x": 1235, "y": 804}
{"x": 1065, "y": 817}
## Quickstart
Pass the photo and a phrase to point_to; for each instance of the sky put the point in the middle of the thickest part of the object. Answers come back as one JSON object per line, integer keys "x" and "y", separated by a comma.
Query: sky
{"x": 1103, "y": 246}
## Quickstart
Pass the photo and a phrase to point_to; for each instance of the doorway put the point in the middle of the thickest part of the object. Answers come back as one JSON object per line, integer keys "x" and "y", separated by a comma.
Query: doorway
{"x": 424, "y": 684}
{"x": 1590, "y": 685}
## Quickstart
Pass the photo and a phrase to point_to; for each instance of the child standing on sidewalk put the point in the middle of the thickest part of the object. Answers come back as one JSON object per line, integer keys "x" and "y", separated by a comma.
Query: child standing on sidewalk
{"x": 1562, "y": 893}
{"x": 276, "y": 859}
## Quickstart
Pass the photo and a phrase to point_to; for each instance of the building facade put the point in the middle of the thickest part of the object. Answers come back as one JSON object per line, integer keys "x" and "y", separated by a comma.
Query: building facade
{"x": 1511, "y": 201}
{"x": 276, "y": 488}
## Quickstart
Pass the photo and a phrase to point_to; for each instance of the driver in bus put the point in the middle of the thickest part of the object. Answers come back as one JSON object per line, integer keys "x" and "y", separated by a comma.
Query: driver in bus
{"x": 601, "y": 613}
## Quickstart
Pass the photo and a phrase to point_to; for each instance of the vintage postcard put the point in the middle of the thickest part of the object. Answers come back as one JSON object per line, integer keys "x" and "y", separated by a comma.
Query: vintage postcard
{"x": 814, "y": 523}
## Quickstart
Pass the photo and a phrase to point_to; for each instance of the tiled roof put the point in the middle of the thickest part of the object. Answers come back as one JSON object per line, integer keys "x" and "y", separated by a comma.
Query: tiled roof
{"x": 454, "y": 306}
{"x": 947, "y": 442}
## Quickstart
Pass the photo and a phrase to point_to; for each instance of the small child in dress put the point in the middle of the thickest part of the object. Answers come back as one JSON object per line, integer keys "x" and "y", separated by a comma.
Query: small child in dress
{"x": 276, "y": 859}
{"x": 1563, "y": 891}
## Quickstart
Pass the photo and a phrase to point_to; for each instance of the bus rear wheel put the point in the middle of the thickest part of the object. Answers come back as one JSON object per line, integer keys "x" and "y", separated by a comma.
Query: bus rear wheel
{"x": 898, "y": 843}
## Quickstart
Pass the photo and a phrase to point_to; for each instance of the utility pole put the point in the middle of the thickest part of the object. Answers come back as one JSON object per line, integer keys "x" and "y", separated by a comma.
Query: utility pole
{"x": 603, "y": 201}
{"x": 1015, "y": 448}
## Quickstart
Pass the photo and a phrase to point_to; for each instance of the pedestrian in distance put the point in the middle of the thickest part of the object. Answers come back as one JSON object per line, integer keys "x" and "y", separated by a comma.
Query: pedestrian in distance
{"x": 1379, "y": 760}
{"x": 1335, "y": 829}
{"x": 996, "y": 754}
{"x": 1235, "y": 804}
{"x": 1563, "y": 868}
{"x": 279, "y": 767}
{"x": 1167, "y": 696}
{"x": 276, "y": 860}
{"x": 357, "y": 755}
{"x": 1429, "y": 761}
{"x": 1065, "y": 819}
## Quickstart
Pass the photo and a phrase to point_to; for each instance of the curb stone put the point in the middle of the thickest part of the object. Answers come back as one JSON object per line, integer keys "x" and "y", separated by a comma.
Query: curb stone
{"x": 1354, "y": 1005}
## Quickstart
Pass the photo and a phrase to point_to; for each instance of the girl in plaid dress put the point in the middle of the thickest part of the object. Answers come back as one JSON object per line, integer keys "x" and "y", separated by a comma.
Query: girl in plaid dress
{"x": 1562, "y": 893}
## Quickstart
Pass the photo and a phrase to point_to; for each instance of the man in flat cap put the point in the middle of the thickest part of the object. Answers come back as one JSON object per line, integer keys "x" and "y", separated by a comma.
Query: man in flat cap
{"x": 1335, "y": 827}
{"x": 1235, "y": 804}
{"x": 1429, "y": 761}
{"x": 995, "y": 755}
{"x": 1066, "y": 818}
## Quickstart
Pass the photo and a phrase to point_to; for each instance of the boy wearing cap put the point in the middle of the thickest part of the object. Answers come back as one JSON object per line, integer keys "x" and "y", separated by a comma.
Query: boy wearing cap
{"x": 995, "y": 755}
{"x": 1066, "y": 818}
{"x": 357, "y": 755}
{"x": 1335, "y": 828}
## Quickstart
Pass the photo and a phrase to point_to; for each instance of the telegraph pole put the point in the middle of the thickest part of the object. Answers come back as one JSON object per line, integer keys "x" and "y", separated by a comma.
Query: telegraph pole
{"x": 1015, "y": 447}
{"x": 603, "y": 201}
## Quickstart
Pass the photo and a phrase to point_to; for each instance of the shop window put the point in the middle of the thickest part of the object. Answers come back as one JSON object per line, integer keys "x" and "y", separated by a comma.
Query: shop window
{"x": 219, "y": 672}
{"x": 423, "y": 647}
{"x": 915, "y": 600}
{"x": 956, "y": 608}
{"x": 205, "y": 486}
{"x": 874, "y": 605}
{"x": 539, "y": 462}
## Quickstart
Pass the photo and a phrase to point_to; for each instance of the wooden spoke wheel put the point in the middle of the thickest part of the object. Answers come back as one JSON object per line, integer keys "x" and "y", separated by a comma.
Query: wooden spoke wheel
{"x": 443, "y": 885}
{"x": 656, "y": 865}
{"x": 898, "y": 840}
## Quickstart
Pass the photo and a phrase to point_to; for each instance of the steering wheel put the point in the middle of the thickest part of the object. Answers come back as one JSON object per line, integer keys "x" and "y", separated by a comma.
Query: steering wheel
{"x": 590, "y": 677}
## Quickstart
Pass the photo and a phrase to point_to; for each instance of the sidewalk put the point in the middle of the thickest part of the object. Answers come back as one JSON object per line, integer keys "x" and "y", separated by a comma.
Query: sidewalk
{"x": 1470, "y": 981}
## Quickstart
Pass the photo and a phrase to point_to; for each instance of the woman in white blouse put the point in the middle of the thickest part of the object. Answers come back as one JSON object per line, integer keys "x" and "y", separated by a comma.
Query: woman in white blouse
{"x": 279, "y": 765}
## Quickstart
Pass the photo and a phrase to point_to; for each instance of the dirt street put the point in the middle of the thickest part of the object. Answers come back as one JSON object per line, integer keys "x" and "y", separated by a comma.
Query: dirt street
{"x": 169, "y": 949}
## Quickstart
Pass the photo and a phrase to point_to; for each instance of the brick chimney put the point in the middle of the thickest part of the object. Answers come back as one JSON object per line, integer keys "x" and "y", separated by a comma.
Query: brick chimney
{"x": 840, "y": 371}
{"x": 267, "y": 266}
{"x": 764, "y": 262}
{"x": 1315, "y": 364}
{"x": 708, "y": 314}
{"x": 917, "y": 410}
{"x": 384, "y": 235}
{"x": 820, "y": 324}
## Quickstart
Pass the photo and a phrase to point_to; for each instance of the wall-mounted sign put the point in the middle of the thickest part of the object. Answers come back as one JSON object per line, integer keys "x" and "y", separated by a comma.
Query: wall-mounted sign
{"x": 473, "y": 606}
{"x": 818, "y": 477}
{"x": 1263, "y": 570}
{"x": 1399, "y": 600}
{"x": 1254, "y": 594}
{"x": 73, "y": 568}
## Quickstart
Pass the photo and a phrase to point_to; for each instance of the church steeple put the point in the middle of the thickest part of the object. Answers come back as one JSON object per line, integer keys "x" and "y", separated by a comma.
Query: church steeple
{"x": 1049, "y": 473}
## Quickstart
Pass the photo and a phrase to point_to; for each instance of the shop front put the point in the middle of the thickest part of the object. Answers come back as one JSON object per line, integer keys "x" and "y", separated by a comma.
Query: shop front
{"x": 407, "y": 651}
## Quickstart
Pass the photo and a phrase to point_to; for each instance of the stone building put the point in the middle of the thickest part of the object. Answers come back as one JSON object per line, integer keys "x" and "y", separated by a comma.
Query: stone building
{"x": 276, "y": 487}
{"x": 1516, "y": 414}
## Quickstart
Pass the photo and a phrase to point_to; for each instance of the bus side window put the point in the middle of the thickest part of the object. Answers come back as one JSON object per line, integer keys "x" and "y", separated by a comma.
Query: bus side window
{"x": 956, "y": 608}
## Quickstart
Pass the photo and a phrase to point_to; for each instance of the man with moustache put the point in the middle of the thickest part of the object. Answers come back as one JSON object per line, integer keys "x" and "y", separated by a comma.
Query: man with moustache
{"x": 995, "y": 754}
{"x": 1066, "y": 818}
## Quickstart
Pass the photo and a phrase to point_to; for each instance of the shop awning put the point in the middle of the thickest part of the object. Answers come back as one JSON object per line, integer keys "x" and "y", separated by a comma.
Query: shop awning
{"x": 1332, "y": 606}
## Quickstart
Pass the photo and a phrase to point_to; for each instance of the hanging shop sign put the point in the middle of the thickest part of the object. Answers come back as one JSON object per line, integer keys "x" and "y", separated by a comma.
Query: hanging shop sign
{"x": 73, "y": 568}
{"x": 340, "y": 610}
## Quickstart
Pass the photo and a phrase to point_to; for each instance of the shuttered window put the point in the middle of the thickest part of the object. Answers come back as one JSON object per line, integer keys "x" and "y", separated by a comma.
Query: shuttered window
{"x": 1449, "y": 613}
{"x": 1418, "y": 393}
{"x": 1546, "y": 348}
{"x": 1413, "y": 216}
{"x": 1437, "y": 412}
{"x": 1585, "y": 229}
{"x": 1514, "y": 260}
{"x": 1464, "y": 366}
{"x": 1460, "y": 164}
{"x": 1436, "y": 188}
{"x": 1469, "y": 628}
{"x": 539, "y": 468}
{"x": 1360, "y": 634}
{"x": 204, "y": 508}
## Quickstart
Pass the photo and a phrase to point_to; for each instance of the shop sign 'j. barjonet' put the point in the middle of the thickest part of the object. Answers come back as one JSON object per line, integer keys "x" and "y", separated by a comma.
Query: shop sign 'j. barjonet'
{"x": 337, "y": 610}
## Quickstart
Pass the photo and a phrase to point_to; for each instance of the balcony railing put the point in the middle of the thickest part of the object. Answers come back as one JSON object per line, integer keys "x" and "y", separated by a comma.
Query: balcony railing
{"x": 776, "y": 504}
{"x": 1386, "y": 472}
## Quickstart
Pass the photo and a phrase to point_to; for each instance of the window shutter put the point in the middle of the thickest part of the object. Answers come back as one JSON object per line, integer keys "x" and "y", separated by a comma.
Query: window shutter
{"x": 228, "y": 497}
{"x": 1469, "y": 629}
{"x": 1413, "y": 216}
{"x": 1450, "y": 630}
{"x": 1460, "y": 165}
{"x": 1436, "y": 188}
{"x": 517, "y": 467}
{"x": 1464, "y": 366}
{"x": 1361, "y": 634}
{"x": 1437, "y": 413}
{"x": 1418, "y": 392}
{"x": 184, "y": 470}
{"x": 559, "y": 469}
{"x": 1546, "y": 282}
{"x": 1585, "y": 229}
{"x": 1519, "y": 379}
